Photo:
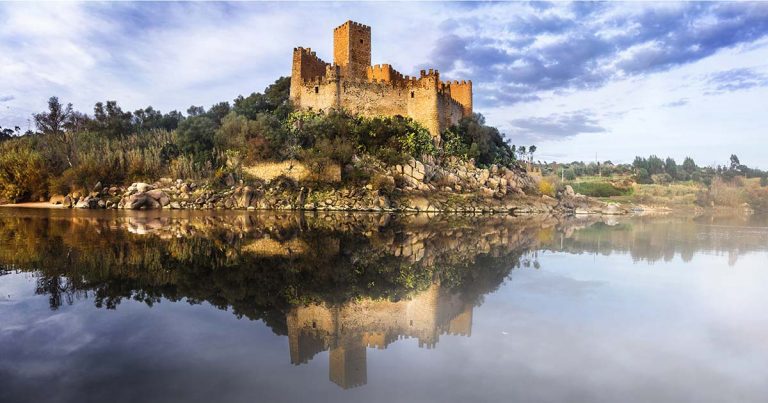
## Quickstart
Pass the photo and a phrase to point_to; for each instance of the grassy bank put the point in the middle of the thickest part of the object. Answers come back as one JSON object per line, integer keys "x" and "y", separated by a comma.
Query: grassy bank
{"x": 721, "y": 193}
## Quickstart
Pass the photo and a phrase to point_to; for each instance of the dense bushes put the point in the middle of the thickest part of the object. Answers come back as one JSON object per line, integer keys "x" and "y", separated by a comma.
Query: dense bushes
{"x": 22, "y": 173}
{"x": 471, "y": 138}
{"x": 338, "y": 135}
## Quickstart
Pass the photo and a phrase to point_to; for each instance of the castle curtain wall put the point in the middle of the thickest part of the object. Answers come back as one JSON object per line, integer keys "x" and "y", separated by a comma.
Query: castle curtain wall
{"x": 351, "y": 83}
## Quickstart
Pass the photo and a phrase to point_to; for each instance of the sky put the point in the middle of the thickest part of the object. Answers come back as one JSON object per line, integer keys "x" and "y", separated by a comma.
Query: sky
{"x": 579, "y": 80}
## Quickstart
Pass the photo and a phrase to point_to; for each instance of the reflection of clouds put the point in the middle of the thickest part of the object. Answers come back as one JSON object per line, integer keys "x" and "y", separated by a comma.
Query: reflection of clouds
{"x": 56, "y": 335}
{"x": 672, "y": 332}
{"x": 548, "y": 283}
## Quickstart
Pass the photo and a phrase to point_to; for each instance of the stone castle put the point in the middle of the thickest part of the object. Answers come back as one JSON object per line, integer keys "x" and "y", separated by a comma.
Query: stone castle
{"x": 352, "y": 83}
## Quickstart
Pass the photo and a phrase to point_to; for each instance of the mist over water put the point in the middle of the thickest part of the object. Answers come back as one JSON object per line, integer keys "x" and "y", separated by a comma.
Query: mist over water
{"x": 200, "y": 307}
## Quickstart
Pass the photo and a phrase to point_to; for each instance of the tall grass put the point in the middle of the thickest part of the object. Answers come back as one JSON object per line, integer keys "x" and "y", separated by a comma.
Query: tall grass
{"x": 114, "y": 161}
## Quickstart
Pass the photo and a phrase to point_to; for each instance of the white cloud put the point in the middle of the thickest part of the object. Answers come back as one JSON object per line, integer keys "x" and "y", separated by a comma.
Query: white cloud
{"x": 173, "y": 55}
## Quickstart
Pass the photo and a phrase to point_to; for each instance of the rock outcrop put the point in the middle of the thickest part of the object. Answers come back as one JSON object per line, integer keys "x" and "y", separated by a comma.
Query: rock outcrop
{"x": 416, "y": 186}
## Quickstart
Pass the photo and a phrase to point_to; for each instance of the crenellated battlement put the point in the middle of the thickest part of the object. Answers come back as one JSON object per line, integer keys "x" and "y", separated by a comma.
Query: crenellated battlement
{"x": 350, "y": 23}
{"x": 353, "y": 83}
{"x": 429, "y": 73}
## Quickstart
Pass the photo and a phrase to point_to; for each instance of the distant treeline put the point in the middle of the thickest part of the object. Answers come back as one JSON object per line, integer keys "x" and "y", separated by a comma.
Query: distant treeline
{"x": 656, "y": 170}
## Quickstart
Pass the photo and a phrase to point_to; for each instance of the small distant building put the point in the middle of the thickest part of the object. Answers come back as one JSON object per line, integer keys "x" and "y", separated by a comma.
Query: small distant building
{"x": 352, "y": 83}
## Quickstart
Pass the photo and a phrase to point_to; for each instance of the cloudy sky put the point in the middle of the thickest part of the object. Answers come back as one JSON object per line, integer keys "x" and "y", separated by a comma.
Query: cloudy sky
{"x": 579, "y": 80}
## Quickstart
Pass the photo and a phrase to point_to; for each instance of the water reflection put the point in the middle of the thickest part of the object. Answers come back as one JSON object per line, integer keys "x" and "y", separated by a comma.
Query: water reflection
{"x": 337, "y": 283}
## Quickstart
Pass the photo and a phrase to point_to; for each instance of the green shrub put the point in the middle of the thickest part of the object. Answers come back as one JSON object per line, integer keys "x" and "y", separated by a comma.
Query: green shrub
{"x": 471, "y": 138}
{"x": 599, "y": 189}
{"x": 340, "y": 135}
{"x": 569, "y": 174}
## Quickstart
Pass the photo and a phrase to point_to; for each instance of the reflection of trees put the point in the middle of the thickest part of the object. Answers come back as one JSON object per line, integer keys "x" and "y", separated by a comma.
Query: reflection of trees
{"x": 260, "y": 266}
{"x": 661, "y": 239}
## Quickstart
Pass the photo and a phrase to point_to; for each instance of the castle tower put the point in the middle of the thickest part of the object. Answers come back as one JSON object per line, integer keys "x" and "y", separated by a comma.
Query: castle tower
{"x": 347, "y": 365}
{"x": 352, "y": 49}
{"x": 462, "y": 92}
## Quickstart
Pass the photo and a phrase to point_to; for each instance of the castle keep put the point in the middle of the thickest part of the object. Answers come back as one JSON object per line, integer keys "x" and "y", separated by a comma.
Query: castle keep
{"x": 352, "y": 83}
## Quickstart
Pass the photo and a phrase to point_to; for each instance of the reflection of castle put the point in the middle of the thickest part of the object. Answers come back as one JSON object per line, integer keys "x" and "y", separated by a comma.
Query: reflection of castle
{"x": 347, "y": 330}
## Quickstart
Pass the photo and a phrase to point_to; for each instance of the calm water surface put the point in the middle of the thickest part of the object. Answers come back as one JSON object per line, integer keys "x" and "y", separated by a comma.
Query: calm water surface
{"x": 118, "y": 307}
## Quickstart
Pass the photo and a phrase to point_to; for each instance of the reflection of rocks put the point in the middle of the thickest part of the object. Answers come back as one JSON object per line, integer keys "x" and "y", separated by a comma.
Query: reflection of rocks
{"x": 347, "y": 330}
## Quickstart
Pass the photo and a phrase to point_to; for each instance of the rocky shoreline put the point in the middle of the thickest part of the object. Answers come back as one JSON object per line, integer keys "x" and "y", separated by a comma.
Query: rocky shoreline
{"x": 412, "y": 187}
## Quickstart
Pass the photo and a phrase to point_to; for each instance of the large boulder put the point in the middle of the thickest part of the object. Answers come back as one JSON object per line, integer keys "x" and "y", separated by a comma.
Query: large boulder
{"x": 141, "y": 201}
{"x": 82, "y": 203}
{"x": 159, "y": 196}
{"x": 88, "y": 203}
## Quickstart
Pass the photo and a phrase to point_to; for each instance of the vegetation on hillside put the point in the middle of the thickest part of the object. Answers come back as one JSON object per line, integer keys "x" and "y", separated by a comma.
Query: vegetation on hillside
{"x": 73, "y": 151}
{"x": 664, "y": 181}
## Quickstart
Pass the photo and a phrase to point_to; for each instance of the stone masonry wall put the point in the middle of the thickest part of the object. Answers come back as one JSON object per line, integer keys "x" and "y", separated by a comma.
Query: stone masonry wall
{"x": 352, "y": 83}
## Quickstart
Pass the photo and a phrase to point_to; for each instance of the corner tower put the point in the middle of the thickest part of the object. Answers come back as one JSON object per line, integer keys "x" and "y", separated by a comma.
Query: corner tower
{"x": 352, "y": 49}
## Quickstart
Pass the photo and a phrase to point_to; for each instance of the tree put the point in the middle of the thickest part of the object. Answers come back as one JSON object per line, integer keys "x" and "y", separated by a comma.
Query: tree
{"x": 147, "y": 119}
{"x": 569, "y": 174}
{"x": 218, "y": 111}
{"x": 53, "y": 121}
{"x": 643, "y": 176}
{"x": 274, "y": 100}
{"x": 110, "y": 121}
{"x": 531, "y": 151}
{"x": 521, "y": 152}
{"x": 195, "y": 137}
{"x": 689, "y": 166}
{"x": 7, "y": 133}
{"x": 655, "y": 165}
{"x": 195, "y": 111}
{"x": 670, "y": 167}
{"x": 640, "y": 163}
{"x": 485, "y": 143}
{"x": 735, "y": 163}
{"x": 53, "y": 124}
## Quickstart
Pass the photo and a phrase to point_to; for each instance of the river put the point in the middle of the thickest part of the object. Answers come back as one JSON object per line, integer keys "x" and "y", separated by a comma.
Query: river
{"x": 282, "y": 307}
